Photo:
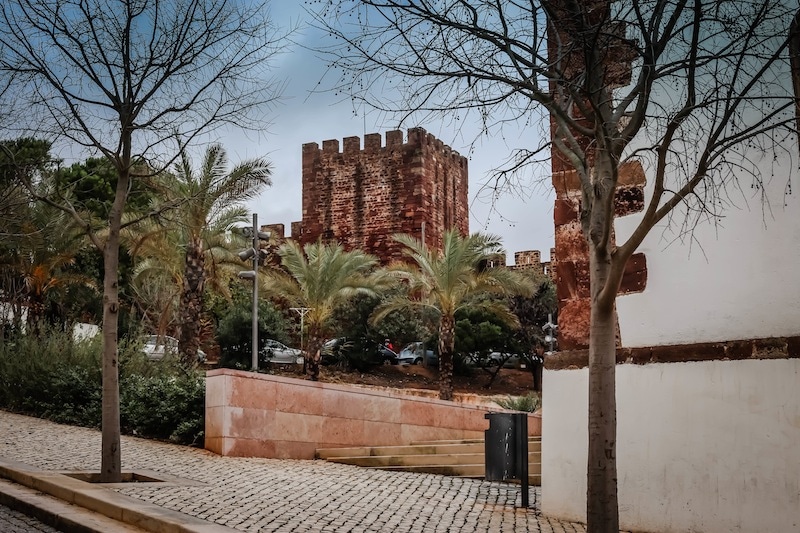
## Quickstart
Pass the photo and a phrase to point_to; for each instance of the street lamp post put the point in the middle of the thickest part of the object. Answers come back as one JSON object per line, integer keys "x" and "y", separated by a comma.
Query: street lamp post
{"x": 253, "y": 252}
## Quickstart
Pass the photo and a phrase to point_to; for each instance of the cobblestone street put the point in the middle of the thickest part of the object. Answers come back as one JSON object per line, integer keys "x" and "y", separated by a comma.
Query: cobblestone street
{"x": 12, "y": 521}
{"x": 251, "y": 494}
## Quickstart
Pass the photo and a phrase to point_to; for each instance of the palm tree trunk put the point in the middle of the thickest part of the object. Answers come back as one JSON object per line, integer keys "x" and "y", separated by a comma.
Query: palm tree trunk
{"x": 446, "y": 345}
{"x": 313, "y": 355}
{"x": 35, "y": 314}
{"x": 192, "y": 302}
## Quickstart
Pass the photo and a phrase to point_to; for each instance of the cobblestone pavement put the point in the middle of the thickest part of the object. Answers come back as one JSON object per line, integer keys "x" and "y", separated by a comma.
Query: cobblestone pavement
{"x": 267, "y": 495}
{"x": 12, "y": 521}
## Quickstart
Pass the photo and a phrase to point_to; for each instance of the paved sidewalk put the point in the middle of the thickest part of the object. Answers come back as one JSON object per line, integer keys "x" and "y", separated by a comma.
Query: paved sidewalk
{"x": 251, "y": 494}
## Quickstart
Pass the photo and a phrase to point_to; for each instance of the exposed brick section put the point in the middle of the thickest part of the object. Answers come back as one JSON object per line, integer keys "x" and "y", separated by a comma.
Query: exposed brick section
{"x": 628, "y": 200}
{"x": 768, "y": 348}
{"x": 531, "y": 260}
{"x": 360, "y": 198}
{"x": 528, "y": 257}
{"x": 495, "y": 260}
{"x": 297, "y": 229}
{"x": 277, "y": 231}
{"x": 572, "y": 265}
{"x": 635, "y": 277}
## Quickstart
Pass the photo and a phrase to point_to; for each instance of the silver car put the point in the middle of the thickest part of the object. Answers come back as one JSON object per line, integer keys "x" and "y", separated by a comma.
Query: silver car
{"x": 412, "y": 355}
{"x": 277, "y": 352}
{"x": 157, "y": 346}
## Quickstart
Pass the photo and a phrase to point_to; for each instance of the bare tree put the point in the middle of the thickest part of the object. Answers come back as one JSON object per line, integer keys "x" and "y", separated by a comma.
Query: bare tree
{"x": 126, "y": 79}
{"x": 696, "y": 91}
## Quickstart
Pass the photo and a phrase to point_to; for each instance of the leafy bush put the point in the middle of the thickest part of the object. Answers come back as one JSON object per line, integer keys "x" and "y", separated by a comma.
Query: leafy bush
{"x": 528, "y": 403}
{"x": 165, "y": 407}
{"x": 235, "y": 329}
{"x": 53, "y": 377}
{"x": 357, "y": 355}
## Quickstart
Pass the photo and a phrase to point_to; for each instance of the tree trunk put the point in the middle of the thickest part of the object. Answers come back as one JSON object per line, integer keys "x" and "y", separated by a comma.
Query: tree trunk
{"x": 35, "y": 314}
{"x": 602, "y": 515}
{"x": 446, "y": 345}
{"x": 192, "y": 302}
{"x": 111, "y": 461}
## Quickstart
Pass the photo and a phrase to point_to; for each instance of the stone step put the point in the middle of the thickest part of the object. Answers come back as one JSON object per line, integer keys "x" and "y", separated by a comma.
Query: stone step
{"x": 411, "y": 449}
{"x": 465, "y": 441}
{"x": 460, "y": 458}
{"x": 378, "y": 461}
{"x": 474, "y": 471}
{"x": 430, "y": 448}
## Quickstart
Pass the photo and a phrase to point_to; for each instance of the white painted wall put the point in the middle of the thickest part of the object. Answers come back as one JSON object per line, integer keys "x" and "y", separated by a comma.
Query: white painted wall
{"x": 710, "y": 447}
{"x": 735, "y": 280}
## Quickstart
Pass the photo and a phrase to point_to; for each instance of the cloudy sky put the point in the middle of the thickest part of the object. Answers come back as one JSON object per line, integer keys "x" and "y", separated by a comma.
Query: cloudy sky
{"x": 522, "y": 217}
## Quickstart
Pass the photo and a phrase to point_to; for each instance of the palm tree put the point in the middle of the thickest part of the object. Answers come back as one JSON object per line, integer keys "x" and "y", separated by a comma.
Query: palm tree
{"x": 198, "y": 230}
{"x": 38, "y": 260}
{"x": 320, "y": 277}
{"x": 442, "y": 282}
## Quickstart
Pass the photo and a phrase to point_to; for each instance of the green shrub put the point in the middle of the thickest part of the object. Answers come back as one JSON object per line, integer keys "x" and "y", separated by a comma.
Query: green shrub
{"x": 164, "y": 407}
{"x": 528, "y": 403}
{"x": 53, "y": 377}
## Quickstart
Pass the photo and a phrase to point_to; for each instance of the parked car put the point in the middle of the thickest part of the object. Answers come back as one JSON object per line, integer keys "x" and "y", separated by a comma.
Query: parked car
{"x": 157, "y": 346}
{"x": 412, "y": 355}
{"x": 508, "y": 360}
{"x": 337, "y": 350}
{"x": 388, "y": 356}
{"x": 482, "y": 359}
{"x": 277, "y": 352}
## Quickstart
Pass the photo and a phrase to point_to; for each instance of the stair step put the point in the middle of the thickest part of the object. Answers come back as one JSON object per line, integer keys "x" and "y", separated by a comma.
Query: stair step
{"x": 460, "y": 458}
{"x": 534, "y": 446}
{"x": 463, "y": 441}
{"x": 476, "y": 471}
{"x": 324, "y": 453}
{"x": 377, "y": 461}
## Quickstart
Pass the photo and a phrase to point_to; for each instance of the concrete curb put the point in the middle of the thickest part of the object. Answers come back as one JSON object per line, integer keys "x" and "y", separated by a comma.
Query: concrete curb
{"x": 56, "y": 513}
{"x": 75, "y": 498}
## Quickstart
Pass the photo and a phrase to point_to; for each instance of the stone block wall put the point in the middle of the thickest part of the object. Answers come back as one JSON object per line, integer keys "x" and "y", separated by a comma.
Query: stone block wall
{"x": 572, "y": 262}
{"x": 259, "y": 415}
{"x": 572, "y": 265}
{"x": 361, "y": 197}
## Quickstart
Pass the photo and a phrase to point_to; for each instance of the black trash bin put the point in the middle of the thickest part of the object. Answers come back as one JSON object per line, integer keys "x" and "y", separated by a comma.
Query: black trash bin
{"x": 506, "y": 449}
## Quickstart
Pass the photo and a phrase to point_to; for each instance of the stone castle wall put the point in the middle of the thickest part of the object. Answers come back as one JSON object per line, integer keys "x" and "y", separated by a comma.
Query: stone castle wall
{"x": 361, "y": 197}
{"x": 571, "y": 262}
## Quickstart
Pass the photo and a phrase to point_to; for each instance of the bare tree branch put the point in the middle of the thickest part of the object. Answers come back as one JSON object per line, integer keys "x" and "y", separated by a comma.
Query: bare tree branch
{"x": 124, "y": 78}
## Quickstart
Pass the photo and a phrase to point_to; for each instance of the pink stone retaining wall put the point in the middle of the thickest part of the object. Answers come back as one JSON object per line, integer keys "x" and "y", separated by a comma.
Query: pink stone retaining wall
{"x": 259, "y": 415}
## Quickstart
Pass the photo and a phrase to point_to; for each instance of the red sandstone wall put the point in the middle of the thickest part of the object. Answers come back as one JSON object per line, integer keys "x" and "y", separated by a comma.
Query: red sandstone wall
{"x": 360, "y": 198}
{"x": 571, "y": 259}
{"x": 258, "y": 415}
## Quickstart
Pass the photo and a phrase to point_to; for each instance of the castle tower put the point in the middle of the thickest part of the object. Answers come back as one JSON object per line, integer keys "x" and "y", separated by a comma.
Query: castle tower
{"x": 360, "y": 198}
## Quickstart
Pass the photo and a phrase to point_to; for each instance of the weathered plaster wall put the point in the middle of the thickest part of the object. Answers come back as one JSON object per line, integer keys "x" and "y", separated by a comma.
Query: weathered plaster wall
{"x": 259, "y": 415}
{"x": 735, "y": 280}
{"x": 707, "y": 446}
{"x": 360, "y": 198}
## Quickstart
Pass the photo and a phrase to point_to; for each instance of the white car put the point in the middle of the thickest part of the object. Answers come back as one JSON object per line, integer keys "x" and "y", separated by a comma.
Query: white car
{"x": 157, "y": 346}
{"x": 277, "y": 352}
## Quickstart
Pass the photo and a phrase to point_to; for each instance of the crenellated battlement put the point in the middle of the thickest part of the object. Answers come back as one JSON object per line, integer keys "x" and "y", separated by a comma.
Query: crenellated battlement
{"x": 361, "y": 196}
{"x": 418, "y": 138}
